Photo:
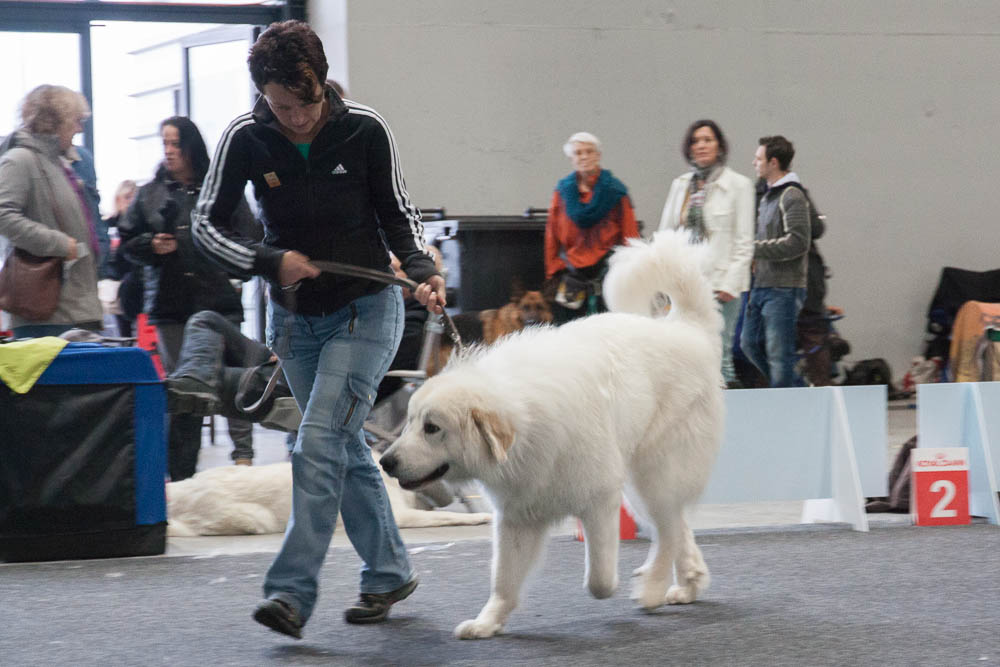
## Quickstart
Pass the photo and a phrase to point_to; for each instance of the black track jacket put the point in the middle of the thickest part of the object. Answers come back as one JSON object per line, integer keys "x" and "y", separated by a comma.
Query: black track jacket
{"x": 345, "y": 203}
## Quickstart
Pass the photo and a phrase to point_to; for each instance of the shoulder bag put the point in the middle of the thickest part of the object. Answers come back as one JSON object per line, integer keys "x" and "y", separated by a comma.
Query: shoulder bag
{"x": 29, "y": 284}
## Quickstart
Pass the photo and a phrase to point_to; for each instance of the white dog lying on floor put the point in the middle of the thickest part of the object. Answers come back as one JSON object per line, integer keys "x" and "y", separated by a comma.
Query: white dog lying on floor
{"x": 254, "y": 500}
{"x": 556, "y": 422}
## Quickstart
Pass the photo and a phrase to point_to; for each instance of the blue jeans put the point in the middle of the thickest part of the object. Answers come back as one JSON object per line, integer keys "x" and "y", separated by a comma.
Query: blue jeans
{"x": 769, "y": 333}
{"x": 215, "y": 352}
{"x": 730, "y": 315}
{"x": 333, "y": 364}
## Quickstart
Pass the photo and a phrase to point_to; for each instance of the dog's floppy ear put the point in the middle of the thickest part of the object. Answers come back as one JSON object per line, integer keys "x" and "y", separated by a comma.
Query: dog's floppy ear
{"x": 497, "y": 434}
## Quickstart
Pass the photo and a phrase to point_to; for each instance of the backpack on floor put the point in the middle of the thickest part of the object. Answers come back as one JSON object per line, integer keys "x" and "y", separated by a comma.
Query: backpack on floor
{"x": 899, "y": 483}
{"x": 869, "y": 371}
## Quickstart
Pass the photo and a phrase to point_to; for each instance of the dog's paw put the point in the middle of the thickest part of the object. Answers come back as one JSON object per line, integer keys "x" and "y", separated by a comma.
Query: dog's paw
{"x": 649, "y": 600}
{"x": 476, "y": 629}
{"x": 647, "y": 596}
{"x": 680, "y": 594}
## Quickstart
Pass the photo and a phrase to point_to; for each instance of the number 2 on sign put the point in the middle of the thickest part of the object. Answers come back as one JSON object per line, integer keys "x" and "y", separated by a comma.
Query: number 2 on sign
{"x": 940, "y": 510}
{"x": 940, "y": 486}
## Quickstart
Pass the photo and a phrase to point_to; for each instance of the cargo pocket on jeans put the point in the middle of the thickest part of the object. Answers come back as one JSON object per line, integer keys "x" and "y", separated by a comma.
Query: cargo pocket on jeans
{"x": 279, "y": 335}
{"x": 358, "y": 401}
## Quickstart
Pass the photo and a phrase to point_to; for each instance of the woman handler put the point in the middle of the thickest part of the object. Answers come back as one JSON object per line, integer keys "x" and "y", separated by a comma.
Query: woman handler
{"x": 327, "y": 177}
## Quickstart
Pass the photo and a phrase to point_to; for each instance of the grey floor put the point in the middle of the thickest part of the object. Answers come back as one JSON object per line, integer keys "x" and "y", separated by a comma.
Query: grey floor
{"x": 821, "y": 595}
{"x": 782, "y": 594}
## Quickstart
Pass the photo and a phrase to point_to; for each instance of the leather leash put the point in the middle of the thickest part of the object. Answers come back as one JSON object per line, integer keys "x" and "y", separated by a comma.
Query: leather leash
{"x": 342, "y": 269}
{"x": 244, "y": 386}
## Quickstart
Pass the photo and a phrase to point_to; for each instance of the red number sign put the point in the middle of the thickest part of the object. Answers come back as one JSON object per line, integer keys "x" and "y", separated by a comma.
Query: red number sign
{"x": 940, "y": 486}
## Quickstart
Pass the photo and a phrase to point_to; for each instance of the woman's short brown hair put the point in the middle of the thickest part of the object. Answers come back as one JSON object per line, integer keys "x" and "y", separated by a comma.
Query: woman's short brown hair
{"x": 289, "y": 54}
{"x": 716, "y": 130}
{"x": 47, "y": 107}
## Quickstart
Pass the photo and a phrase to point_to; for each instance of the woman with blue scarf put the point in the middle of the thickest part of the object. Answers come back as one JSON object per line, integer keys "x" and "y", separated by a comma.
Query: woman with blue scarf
{"x": 590, "y": 214}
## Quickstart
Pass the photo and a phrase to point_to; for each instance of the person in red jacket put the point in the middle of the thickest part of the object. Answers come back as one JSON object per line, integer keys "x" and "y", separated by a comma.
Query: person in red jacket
{"x": 590, "y": 214}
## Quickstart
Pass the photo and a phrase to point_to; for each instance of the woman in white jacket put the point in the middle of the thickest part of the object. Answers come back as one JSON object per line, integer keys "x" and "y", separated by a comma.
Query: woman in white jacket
{"x": 716, "y": 204}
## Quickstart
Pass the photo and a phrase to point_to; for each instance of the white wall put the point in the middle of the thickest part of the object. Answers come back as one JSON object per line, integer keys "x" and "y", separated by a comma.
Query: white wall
{"x": 892, "y": 106}
{"x": 329, "y": 19}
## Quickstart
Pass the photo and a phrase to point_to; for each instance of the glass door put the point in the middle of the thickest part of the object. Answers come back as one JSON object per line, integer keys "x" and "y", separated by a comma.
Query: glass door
{"x": 31, "y": 59}
{"x": 146, "y": 72}
{"x": 218, "y": 83}
{"x": 218, "y": 90}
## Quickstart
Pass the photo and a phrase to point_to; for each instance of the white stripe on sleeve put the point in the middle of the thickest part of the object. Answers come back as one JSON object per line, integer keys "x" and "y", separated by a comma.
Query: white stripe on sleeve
{"x": 215, "y": 242}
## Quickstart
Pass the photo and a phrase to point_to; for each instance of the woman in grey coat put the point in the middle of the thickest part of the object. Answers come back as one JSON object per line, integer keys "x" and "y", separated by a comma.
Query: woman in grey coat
{"x": 43, "y": 208}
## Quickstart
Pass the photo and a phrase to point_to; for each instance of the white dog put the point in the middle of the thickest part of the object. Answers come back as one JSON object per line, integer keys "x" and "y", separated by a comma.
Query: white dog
{"x": 557, "y": 422}
{"x": 255, "y": 500}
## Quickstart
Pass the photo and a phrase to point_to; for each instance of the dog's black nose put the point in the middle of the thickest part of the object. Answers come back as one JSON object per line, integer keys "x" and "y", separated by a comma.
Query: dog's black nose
{"x": 389, "y": 463}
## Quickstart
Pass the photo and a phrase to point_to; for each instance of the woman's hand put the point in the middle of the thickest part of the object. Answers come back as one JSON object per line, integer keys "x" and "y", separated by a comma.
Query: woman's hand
{"x": 71, "y": 244}
{"x": 164, "y": 244}
{"x": 723, "y": 297}
{"x": 295, "y": 267}
{"x": 431, "y": 294}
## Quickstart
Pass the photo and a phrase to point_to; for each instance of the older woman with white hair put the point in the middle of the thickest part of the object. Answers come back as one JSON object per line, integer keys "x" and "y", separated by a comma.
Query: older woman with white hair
{"x": 590, "y": 214}
{"x": 43, "y": 207}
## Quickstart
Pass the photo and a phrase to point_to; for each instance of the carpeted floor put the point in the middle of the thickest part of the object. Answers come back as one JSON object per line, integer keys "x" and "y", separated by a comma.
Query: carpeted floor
{"x": 895, "y": 596}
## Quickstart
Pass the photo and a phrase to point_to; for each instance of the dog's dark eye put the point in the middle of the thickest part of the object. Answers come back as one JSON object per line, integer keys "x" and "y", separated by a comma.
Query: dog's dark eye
{"x": 430, "y": 428}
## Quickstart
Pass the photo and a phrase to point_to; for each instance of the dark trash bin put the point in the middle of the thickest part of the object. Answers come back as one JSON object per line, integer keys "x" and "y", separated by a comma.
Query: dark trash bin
{"x": 485, "y": 254}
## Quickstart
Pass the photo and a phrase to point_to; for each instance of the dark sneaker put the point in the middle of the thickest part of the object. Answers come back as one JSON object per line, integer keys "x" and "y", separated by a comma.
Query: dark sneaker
{"x": 279, "y": 616}
{"x": 374, "y": 607}
{"x": 186, "y": 395}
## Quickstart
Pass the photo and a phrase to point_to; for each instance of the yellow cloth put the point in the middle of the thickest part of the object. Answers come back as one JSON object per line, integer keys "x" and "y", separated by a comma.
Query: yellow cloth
{"x": 24, "y": 361}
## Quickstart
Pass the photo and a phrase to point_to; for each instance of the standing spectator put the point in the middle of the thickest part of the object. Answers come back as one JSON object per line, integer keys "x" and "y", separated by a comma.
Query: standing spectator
{"x": 780, "y": 260}
{"x": 107, "y": 286}
{"x": 83, "y": 165}
{"x": 589, "y": 215}
{"x": 179, "y": 282}
{"x": 814, "y": 329}
{"x": 330, "y": 186}
{"x": 716, "y": 204}
{"x": 44, "y": 208}
{"x": 128, "y": 275}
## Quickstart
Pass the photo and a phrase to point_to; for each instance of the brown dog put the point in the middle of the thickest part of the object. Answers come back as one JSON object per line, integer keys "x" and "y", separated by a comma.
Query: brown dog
{"x": 526, "y": 308}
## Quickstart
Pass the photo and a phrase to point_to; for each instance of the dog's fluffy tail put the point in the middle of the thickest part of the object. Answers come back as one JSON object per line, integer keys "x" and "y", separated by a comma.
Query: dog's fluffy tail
{"x": 669, "y": 264}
